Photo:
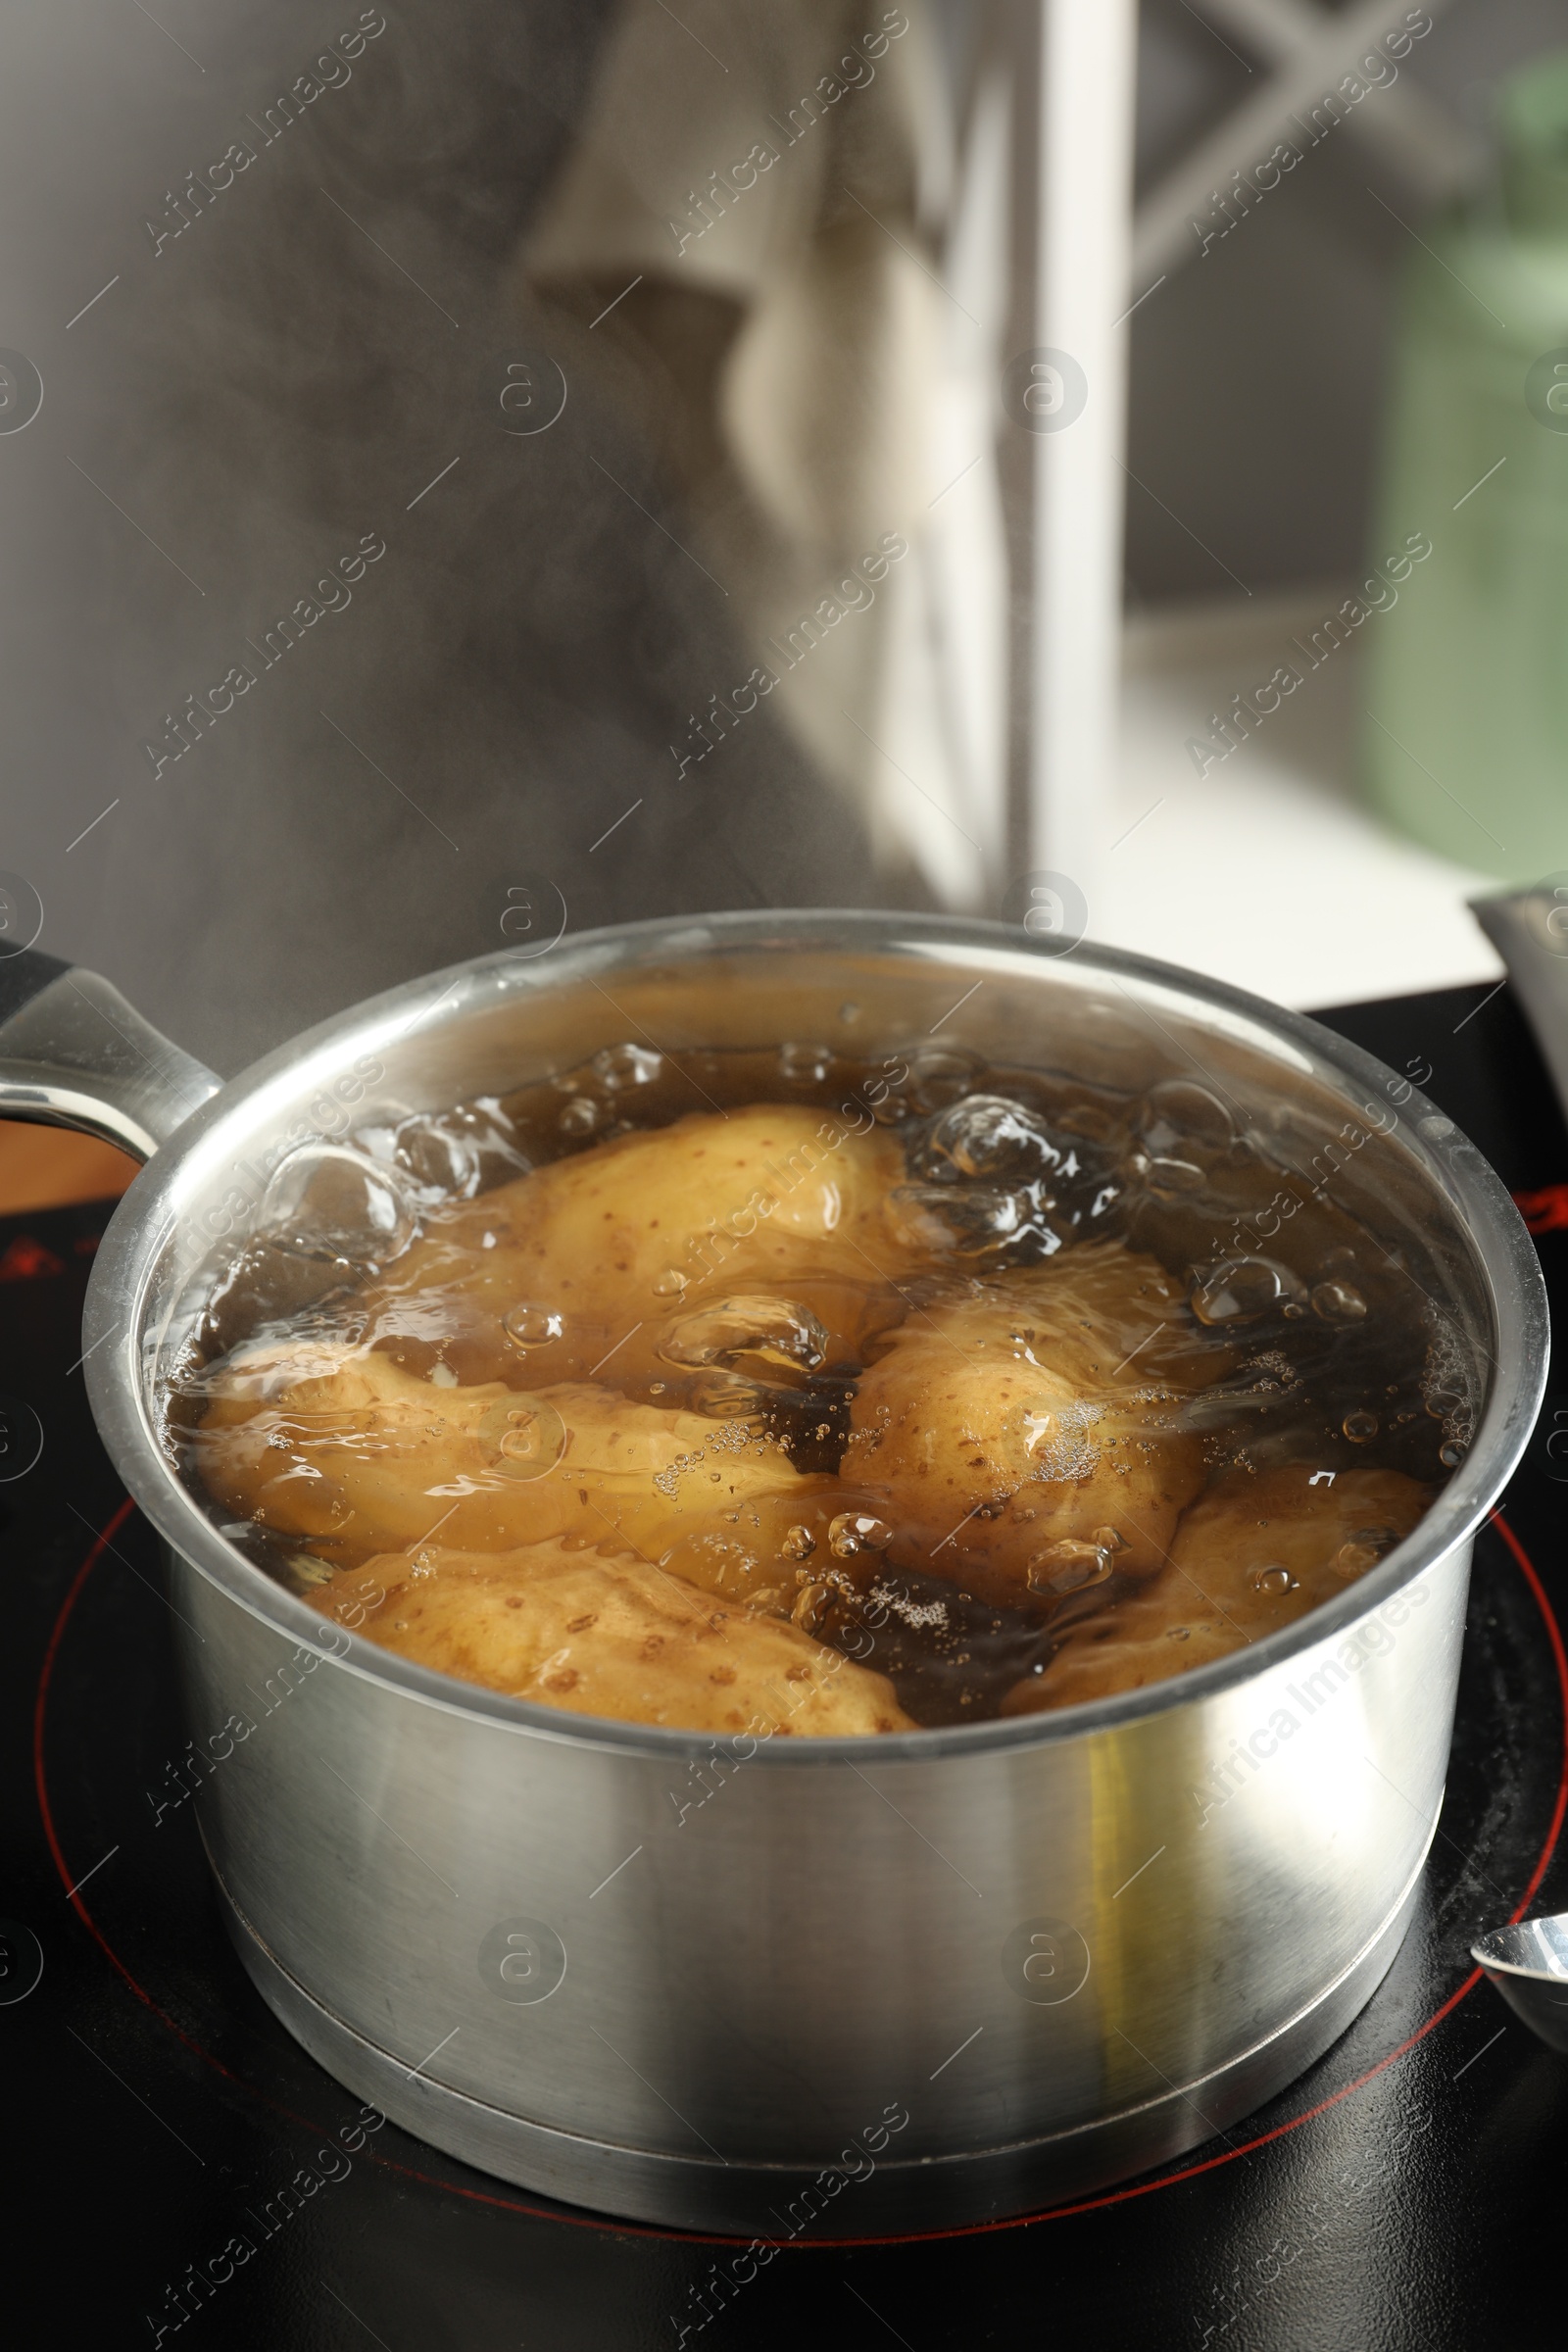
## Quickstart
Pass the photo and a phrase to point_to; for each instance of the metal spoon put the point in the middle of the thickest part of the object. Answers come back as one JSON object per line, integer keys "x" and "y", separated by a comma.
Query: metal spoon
{"x": 1529, "y": 1966}
{"x": 1529, "y": 928}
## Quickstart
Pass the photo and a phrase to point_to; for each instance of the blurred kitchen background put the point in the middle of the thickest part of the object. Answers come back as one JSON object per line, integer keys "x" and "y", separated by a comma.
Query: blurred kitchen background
{"x": 498, "y": 362}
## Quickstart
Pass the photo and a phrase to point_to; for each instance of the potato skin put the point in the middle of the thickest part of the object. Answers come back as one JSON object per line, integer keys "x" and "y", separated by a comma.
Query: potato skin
{"x": 1248, "y": 1522}
{"x": 623, "y": 1239}
{"x": 347, "y": 1451}
{"x": 766, "y": 1548}
{"x": 1039, "y": 1405}
{"x": 608, "y": 1635}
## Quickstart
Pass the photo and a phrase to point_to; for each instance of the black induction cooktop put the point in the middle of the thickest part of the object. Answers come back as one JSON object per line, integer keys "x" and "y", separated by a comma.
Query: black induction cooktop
{"x": 181, "y": 2171}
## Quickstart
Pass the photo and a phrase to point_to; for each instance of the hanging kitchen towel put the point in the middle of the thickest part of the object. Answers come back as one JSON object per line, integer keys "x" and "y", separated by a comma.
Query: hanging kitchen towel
{"x": 766, "y": 195}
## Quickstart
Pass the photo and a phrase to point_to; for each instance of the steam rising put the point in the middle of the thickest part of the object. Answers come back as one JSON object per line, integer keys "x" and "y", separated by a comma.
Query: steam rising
{"x": 277, "y": 387}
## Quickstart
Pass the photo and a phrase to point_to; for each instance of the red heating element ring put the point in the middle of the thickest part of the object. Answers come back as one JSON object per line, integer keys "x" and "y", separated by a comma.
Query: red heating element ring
{"x": 1545, "y": 1211}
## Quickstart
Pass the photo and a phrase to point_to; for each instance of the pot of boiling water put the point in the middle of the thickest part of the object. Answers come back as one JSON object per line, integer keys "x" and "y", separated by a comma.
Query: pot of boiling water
{"x": 822, "y": 1985}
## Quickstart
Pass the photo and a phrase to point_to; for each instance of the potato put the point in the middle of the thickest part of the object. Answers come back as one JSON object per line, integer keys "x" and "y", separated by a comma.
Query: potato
{"x": 770, "y": 1549}
{"x": 608, "y": 1636}
{"x": 594, "y": 1258}
{"x": 346, "y": 1448}
{"x": 1036, "y": 1408}
{"x": 1226, "y": 1583}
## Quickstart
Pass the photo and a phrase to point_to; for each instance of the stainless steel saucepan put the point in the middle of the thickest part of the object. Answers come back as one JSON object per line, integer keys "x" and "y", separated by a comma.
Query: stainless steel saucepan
{"x": 821, "y": 1987}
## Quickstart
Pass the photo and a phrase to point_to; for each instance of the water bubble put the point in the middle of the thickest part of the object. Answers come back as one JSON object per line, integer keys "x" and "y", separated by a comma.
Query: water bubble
{"x": 1178, "y": 1633}
{"x": 722, "y": 1396}
{"x": 669, "y": 1284}
{"x": 1178, "y": 1118}
{"x": 970, "y": 1220}
{"x": 987, "y": 1135}
{"x": 720, "y": 1563}
{"x": 1168, "y": 1174}
{"x": 523, "y": 1436}
{"x": 858, "y": 1531}
{"x": 328, "y": 1201}
{"x": 1338, "y": 1303}
{"x": 848, "y": 1011}
{"x": 1381, "y": 1539}
{"x": 938, "y": 1077}
{"x": 1452, "y": 1452}
{"x": 1069, "y": 1565}
{"x": 810, "y": 1607}
{"x": 621, "y": 1066}
{"x": 798, "y": 1544}
{"x": 1360, "y": 1426}
{"x": 580, "y": 1116}
{"x": 773, "y": 1331}
{"x": 1275, "y": 1581}
{"x": 530, "y": 1326}
{"x": 456, "y": 1152}
{"x": 805, "y": 1064}
{"x": 1242, "y": 1288}
{"x": 439, "y": 1157}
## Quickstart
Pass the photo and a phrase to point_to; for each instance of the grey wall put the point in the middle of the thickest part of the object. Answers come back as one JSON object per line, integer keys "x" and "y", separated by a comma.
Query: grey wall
{"x": 1257, "y": 371}
{"x": 247, "y": 401}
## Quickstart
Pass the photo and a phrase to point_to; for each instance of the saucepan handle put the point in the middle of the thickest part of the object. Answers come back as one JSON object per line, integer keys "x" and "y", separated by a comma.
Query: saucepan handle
{"x": 73, "y": 1053}
{"x": 1529, "y": 928}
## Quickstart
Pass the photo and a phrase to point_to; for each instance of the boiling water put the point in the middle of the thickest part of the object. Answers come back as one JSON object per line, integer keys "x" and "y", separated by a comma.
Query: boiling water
{"x": 1322, "y": 1352}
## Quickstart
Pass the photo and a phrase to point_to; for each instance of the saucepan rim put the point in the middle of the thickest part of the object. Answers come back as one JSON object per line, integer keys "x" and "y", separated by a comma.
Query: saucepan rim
{"x": 1458, "y": 1177}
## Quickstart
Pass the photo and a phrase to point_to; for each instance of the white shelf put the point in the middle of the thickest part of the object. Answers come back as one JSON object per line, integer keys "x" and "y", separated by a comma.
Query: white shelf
{"x": 1267, "y": 870}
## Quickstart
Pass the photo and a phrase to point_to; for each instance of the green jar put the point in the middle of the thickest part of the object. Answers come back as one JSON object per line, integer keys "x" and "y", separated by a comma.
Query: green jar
{"x": 1465, "y": 745}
